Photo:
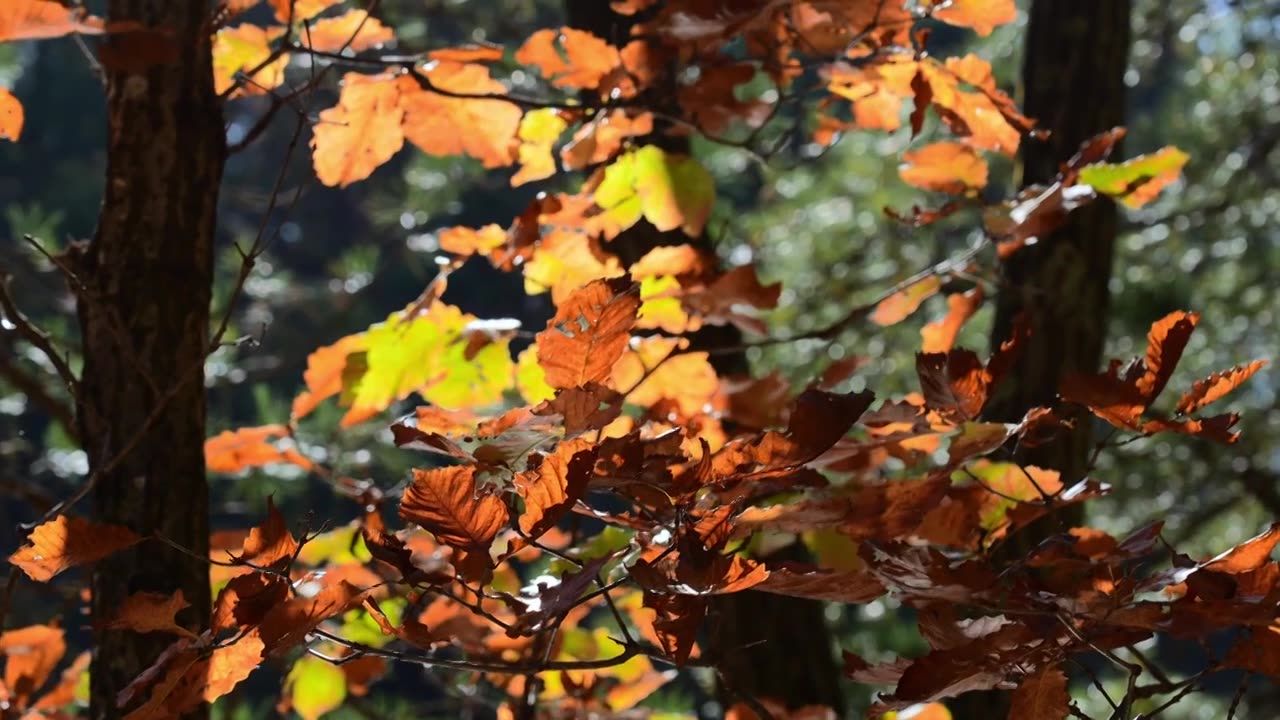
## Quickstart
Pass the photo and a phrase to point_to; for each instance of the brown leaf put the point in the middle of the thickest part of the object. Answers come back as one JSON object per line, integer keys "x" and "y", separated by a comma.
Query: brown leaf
{"x": 551, "y": 489}
{"x": 191, "y": 680}
{"x": 842, "y": 586}
{"x": 447, "y": 503}
{"x": 1217, "y": 385}
{"x": 441, "y": 125}
{"x": 1165, "y": 342}
{"x": 65, "y": 542}
{"x": 64, "y": 693}
{"x": 270, "y": 544}
{"x": 954, "y": 384}
{"x": 151, "y": 612}
{"x": 246, "y": 599}
{"x": 288, "y": 624}
{"x": 1041, "y": 696}
{"x": 588, "y": 334}
{"x": 553, "y": 602}
{"x": 1248, "y": 555}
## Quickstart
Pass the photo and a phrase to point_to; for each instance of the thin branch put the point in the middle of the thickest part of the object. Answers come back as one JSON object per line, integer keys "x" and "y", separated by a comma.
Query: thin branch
{"x": 38, "y": 339}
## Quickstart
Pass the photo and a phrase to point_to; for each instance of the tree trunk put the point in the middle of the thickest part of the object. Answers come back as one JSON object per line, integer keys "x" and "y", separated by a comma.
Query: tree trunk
{"x": 1073, "y": 84}
{"x": 145, "y": 325}
{"x": 767, "y": 646}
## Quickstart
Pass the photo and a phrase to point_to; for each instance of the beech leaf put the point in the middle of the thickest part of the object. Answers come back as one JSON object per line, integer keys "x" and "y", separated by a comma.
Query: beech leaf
{"x": 588, "y": 334}
{"x": 65, "y": 542}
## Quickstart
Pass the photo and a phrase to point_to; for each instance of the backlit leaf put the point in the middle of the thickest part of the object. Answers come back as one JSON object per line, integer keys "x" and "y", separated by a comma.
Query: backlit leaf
{"x": 354, "y": 30}
{"x": 949, "y": 167}
{"x": 448, "y": 503}
{"x": 31, "y": 653}
{"x": 588, "y": 334}
{"x": 300, "y": 10}
{"x": 65, "y": 542}
{"x": 245, "y": 48}
{"x": 1165, "y": 342}
{"x": 11, "y": 116}
{"x": 981, "y": 15}
{"x": 539, "y": 131}
{"x": 940, "y": 335}
{"x": 361, "y": 132}
{"x": 235, "y": 450}
{"x": 531, "y": 380}
{"x": 899, "y": 306}
{"x": 670, "y": 191}
{"x": 315, "y": 687}
{"x": 440, "y": 125}
{"x": 1138, "y": 181}
{"x": 585, "y": 61}
{"x": 1216, "y": 386}
{"x": 551, "y": 489}
{"x": 466, "y": 241}
{"x": 39, "y": 19}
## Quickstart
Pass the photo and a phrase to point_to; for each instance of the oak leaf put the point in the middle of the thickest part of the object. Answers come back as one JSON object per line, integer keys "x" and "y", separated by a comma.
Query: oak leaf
{"x": 588, "y": 334}
{"x": 65, "y": 542}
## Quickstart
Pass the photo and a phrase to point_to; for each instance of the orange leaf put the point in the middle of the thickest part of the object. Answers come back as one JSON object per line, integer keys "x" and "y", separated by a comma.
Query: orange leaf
{"x": 949, "y": 167}
{"x": 149, "y": 612}
{"x": 484, "y": 128}
{"x": 11, "y": 116}
{"x": 361, "y": 132}
{"x": 31, "y": 653}
{"x": 233, "y": 451}
{"x": 64, "y": 693}
{"x": 288, "y": 624}
{"x": 588, "y": 334}
{"x": 586, "y": 60}
{"x": 65, "y": 542}
{"x": 1041, "y": 696}
{"x": 271, "y": 542}
{"x": 1165, "y": 342}
{"x": 899, "y": 306}
{"x": 596, "y": 142}
{"x": 447, "y": 503}
{"x": 191, "y": 680}
{"x": 466, "y": 241}
{"x": 940, "y": 336}
{"x": 245, "y": 48}
{"x": 650, "y": 372}
{"x": 355, "y": 31}
{"x": 551, "y": 489}
{"x": 1217, "y": 385}
{"x": 324, "y": 373}
{"x": 39, "y": 19}
{"x": 300, "y": 10}
{"x": 981, "y": 15}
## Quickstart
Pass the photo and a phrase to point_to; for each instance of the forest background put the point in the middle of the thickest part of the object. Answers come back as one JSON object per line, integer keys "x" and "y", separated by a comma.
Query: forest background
{"x": 1201, "y": 76}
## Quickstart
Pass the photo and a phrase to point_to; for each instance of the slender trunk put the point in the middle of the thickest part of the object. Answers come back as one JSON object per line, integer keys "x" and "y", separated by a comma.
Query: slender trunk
{"x": 145, "y": 324}
{"x": 767, "y": 646}
{"x": 1073, "y": 84}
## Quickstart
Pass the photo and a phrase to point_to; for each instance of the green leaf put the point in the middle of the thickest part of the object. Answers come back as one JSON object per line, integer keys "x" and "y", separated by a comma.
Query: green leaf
{"x": 670, "y": 191}
{"x": 1138, "y": 181}
{"x": 315, "y": 687}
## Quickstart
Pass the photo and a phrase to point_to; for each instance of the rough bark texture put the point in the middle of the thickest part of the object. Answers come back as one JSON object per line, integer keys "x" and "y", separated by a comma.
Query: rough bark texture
{"x": 767, "y": 646}
{"x": 1073, "y": 84}
{"x": 145, "y": 325}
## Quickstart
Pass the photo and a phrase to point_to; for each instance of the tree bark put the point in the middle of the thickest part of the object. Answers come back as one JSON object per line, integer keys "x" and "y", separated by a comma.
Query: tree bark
{"x": 1073, "y": 84}
{"x": 767, "y": 646}
{"x": 145, "y": 324}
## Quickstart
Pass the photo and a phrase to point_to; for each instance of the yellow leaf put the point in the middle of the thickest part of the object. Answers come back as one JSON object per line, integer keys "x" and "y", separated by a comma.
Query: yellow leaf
{"x": 315, "y": 687}
{"x": 539, "y": 131}
{"x": 245, "y": 48}
{"x": 670, "y": 191}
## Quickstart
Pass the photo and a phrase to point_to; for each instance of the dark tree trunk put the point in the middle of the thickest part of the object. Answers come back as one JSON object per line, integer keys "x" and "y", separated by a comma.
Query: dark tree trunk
{"x": 767, "y": 646}
{"x": 1073, "y": 84}
{"x": 145, "y": 325}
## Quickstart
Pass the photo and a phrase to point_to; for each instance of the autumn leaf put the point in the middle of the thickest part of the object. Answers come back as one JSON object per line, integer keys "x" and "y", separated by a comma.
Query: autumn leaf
{"x": 538, "y": 133}
{"x": 64, "y": 693}
{"x": 483, "y": 127}
{"x": 466, "y": 241}
{"x": 899, "y": 306}
{"x": 361, "y": 132}
{"x": 152, "y": 612}
{"x": 981, "y": 15}
{"x": 448, "y": 503}
{"x": 300, "y": 10}
{"x": 233, "y": 451}
{"x": 31, "y": 653}
{"x": 1216, "y": 386}
{"x": 190, "y": 679}
{"x": 585, "y": 61}
{"x": 588, "y": 334}
{"x": 566, "y": 260}
{"x": 940, "y": 335}
{"x": 949, "y": 167}
{"x": 551, "y": 489}
{"x": 1041, "y": 695}
{"x": 269, "y": 544}
{"x": 597, "y": 141}
{"x": 11, "y": 116}
{"x": 1165, "y": 342}
{"x": 65, "y": 542}
{"x": 288, "y": 624}
{"x": 354, "y": 30}
{"x": 42, "y": 19}
{"x": 1138, "y": 181}
{"x": 652, "y": 370}
{"x": 314, "y": 687}
{"x": 325, "y": 369}
{"x": 671, "y": 191}
{"x": 246, "y": 48}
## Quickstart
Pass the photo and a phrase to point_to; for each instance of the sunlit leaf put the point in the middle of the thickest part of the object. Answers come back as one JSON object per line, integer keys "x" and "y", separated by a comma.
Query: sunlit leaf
{"x": 247, "y": 48}
{"x": 152, "y": 612}
{"x": 670, "y": 191}
{"x": 588, "y": 334}
{"x": 480, "y": 125}
{"x": 11, "y": 116}
{"x": 1216, "y": 386}
{"x": 65, "y": 542}
{"x": 539, "y": 131}
{"x": 948, "y": 167}
{"x": 1138, "y": 181}
{"x": 235, "y": 450}
{"x": 360, "y": 133}
{"x": 354, "y": 30}
{"x": 315, "y": 687}
{"x": 981, "y": 15}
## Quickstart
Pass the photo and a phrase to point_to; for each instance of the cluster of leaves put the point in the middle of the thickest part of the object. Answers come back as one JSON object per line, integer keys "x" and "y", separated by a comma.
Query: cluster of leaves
{"x": 564, "y": 550}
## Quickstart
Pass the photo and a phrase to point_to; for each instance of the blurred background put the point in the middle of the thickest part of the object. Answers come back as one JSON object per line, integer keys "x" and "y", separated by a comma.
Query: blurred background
{"x": 1203, "y": 75}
